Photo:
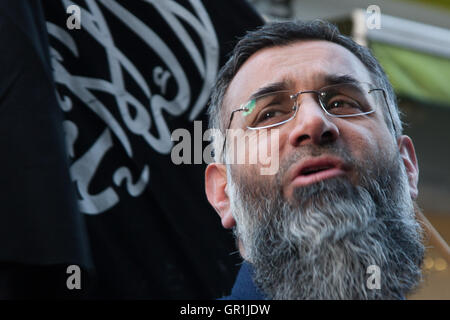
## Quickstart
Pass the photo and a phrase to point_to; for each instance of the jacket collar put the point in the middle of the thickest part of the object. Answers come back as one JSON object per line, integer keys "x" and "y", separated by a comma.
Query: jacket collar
{"x": 244, "y": 288}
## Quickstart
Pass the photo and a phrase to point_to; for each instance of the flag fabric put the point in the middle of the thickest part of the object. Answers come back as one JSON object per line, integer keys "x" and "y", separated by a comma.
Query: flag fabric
{"x": 127, "y": 75}
{"x": 41, "y": 229}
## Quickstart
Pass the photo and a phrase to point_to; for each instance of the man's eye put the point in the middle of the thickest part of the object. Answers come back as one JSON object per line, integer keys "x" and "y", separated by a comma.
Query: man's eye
{"x": 267, "y": 114}
{"x": 336, "y": 104}
{"x": 343, "y": 104}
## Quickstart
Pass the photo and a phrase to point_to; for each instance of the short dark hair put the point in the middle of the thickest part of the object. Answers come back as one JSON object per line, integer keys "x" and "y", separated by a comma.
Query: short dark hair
{"x": 282, "y": 34}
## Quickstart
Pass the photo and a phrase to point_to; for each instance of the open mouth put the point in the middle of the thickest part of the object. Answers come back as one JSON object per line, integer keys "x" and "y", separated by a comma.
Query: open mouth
{"x": 317, "y": 169}
{"x": 311, "y": 170}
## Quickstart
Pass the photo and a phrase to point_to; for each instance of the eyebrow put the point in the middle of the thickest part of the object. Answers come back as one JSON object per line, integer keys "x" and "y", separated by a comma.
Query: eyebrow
{"x": 270, "y": 88}
{"x": 329, "y": 79}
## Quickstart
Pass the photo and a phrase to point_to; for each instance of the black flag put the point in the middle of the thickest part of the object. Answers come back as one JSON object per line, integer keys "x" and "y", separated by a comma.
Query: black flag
{"x": 129, "y": 73}
{"x": 41, "y": 229}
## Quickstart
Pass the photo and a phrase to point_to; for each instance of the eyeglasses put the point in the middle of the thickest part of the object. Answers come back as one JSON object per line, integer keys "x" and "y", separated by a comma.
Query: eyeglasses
{"x": 339, "y": 100}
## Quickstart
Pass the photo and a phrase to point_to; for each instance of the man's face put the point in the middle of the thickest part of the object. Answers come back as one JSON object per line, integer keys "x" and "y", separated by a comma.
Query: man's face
{"x": 341, "y": 200}
{"x": 302, "y": 66}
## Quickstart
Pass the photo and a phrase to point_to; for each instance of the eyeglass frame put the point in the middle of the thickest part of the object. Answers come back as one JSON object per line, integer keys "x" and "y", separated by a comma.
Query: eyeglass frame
{"x": 317, "y": 92}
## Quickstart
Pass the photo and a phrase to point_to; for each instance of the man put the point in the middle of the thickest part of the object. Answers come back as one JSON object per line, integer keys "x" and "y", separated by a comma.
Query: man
{"x": 337, "y": 219}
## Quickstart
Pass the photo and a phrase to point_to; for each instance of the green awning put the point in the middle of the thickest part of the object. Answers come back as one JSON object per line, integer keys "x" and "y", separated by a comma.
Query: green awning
{"x": 415, "y": 74}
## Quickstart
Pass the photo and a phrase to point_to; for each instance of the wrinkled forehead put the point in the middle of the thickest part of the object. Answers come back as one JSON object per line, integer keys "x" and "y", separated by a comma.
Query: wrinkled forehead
{"x": 303, "y": 65}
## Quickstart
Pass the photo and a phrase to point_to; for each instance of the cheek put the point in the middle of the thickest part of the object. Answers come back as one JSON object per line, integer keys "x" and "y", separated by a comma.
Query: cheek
{"x": 241, "y": 146}
{"x": 283, "y": 143}
{"x": 368, "y": 143}
{"x": 268, "y": 154}
{"x": 256, "y": 153}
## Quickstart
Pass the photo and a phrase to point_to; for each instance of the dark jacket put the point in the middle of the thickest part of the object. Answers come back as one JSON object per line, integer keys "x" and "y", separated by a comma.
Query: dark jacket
{"x": 244, "y": 288}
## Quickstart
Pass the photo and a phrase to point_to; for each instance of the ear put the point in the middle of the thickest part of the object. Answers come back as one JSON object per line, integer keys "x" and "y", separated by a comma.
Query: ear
{"x": 406, "y": 149}
{"x": 215, "y": 187}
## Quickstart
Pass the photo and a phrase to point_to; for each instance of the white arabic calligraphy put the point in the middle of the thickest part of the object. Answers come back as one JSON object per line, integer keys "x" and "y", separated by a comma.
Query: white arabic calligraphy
{"x": 135, "y": 115}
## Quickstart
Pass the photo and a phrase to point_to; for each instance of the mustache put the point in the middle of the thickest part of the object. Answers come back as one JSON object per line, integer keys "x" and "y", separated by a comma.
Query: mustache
{"x": 315, "y": 151}
{"x": 250, "y": 187}
{"x": 367, "y": 172}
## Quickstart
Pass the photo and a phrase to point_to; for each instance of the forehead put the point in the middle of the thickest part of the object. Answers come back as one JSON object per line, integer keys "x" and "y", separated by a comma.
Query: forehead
{"x": 305, "y": 64}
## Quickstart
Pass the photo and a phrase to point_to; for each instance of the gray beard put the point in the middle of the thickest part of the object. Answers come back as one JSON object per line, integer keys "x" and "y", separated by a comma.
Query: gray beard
{"x": 320, "y": 244}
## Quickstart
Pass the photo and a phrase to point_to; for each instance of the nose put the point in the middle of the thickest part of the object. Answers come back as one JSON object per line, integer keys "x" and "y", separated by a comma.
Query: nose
{"x": 312, "y": 124}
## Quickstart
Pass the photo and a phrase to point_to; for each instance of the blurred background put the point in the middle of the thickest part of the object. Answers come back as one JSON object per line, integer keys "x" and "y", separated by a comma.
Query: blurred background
{"x": 411, "y": 39}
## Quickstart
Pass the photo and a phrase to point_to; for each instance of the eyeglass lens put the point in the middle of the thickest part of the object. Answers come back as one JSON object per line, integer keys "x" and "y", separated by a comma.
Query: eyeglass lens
{"x": 347, "y": 99}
